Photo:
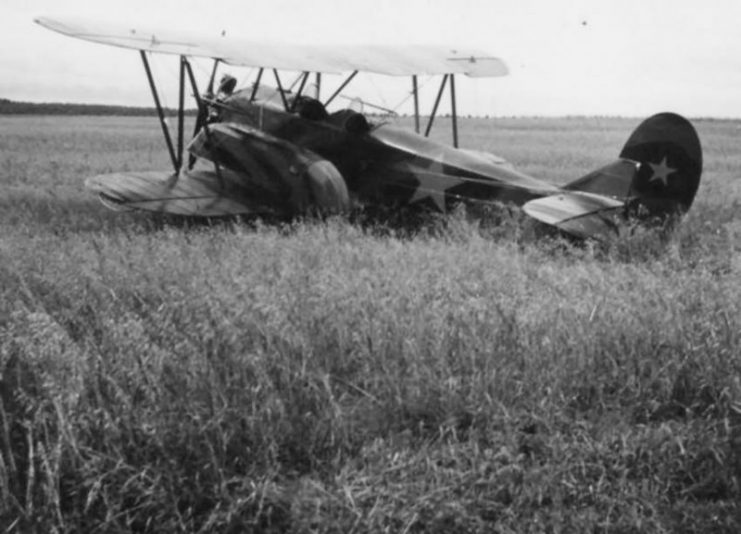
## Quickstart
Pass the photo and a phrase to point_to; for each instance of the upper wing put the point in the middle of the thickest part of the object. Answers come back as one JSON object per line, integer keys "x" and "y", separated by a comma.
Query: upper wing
{"x": 393, "y": 61}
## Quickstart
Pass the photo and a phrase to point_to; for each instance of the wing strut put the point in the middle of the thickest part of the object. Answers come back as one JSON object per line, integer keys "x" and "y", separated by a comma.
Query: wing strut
{"x": 453, "y": 110}
{"x": 415, "y": 92}
{"x": 181, "y": 112}
{"x": 212, "y": 79}
{"x": 256, "y": 85}
{"x": 160, "y": 112}
{"x": 300, "y": 90}
{"x": 202, "y": 112}
{"x": 280, "y": 89}
{"x": 341, "y": 87}
{"x": 434, "y": 108}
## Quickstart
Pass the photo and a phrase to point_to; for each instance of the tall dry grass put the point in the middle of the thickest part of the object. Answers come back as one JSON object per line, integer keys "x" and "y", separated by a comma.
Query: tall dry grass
{"x": 325, "y": 376}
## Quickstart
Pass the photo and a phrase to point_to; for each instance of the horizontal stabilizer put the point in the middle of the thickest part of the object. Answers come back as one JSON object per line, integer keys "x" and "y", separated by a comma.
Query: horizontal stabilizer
{"x": 580, "y": 214}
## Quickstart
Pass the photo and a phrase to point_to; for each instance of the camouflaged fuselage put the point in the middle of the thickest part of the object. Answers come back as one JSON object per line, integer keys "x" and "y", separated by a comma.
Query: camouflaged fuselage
{"x": 380, "y": 163}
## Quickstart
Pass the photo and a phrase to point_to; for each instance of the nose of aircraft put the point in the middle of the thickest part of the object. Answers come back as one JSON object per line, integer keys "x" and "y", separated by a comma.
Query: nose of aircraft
{"x": 328, "y": 189}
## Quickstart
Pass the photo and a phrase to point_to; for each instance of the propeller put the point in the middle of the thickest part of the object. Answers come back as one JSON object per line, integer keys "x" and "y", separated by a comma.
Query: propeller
{"x": 202, "y": 117}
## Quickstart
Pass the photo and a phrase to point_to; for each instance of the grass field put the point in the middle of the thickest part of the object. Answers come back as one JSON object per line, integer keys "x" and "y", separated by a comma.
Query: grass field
{"x": 328, "y": 377}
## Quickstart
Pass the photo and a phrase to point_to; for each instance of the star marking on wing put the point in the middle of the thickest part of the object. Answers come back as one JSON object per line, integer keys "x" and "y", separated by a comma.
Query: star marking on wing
{"x": 433, "y": 183}
{"x": 661, "y": 171}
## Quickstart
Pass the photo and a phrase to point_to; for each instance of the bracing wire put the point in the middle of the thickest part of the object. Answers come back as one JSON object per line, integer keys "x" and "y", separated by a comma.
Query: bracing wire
{"x": 410, "y": 94}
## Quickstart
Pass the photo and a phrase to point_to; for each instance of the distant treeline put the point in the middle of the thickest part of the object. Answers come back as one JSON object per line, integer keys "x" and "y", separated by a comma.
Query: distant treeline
{"x": 10, "y": 107}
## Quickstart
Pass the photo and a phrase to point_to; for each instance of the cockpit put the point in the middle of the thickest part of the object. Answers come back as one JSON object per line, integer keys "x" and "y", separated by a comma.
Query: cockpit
{"x": 258, "y": 107}
{"x": 349, "y": 120}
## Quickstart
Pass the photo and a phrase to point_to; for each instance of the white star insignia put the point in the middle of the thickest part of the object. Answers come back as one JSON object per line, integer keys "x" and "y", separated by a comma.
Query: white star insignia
{"x": 661, "y": 171}
{"x": 432, "y": 183}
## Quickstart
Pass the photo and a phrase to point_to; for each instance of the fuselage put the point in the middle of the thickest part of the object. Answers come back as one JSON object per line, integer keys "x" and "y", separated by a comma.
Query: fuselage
{"x": 382, "y": 163}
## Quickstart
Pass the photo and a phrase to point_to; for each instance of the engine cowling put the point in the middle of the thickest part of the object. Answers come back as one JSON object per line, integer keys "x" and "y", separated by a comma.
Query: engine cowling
{"x": 327, "y": 188}
{"x": 289, "y": 178}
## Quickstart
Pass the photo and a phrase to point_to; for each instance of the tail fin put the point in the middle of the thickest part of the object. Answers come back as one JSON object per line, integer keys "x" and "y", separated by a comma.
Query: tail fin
{"x": 659, "y": 169}
{"x": 668, "y": 150}
{"x": 657, "y": 176}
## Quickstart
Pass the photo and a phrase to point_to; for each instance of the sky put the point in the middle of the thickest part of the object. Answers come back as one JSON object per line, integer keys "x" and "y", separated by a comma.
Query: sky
{"x": 569, "y": 57}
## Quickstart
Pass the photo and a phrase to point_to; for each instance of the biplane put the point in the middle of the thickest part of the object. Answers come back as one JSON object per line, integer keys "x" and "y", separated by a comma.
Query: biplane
{"x": 281, "y": 150}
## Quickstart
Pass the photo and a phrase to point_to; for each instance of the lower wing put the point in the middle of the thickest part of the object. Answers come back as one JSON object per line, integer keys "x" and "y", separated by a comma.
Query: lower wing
{"x": 195, "y": 192}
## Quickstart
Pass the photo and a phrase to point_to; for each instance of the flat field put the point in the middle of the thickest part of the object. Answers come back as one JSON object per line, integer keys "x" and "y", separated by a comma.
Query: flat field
{"x": 333, "y": 377}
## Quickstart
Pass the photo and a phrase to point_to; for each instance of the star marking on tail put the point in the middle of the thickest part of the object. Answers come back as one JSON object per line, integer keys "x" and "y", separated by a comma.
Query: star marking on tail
{"x": 661, "y": 171}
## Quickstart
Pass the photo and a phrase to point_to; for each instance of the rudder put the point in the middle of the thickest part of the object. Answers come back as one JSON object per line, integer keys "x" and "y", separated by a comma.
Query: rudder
{"x": 655, "y": 178}
{"x": 669, "y": 154}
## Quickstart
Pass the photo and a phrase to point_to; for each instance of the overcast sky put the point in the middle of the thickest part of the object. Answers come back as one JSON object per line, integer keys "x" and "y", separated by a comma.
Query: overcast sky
{"x": 585, "y": 57}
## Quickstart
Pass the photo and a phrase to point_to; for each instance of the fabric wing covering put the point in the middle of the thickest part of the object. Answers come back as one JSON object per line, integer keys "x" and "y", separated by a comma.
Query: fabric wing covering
{"x": 389, "y": 60}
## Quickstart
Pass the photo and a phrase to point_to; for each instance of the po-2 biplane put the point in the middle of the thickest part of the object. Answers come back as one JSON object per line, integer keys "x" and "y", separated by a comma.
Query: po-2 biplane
{"x": 280, "y": 151}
